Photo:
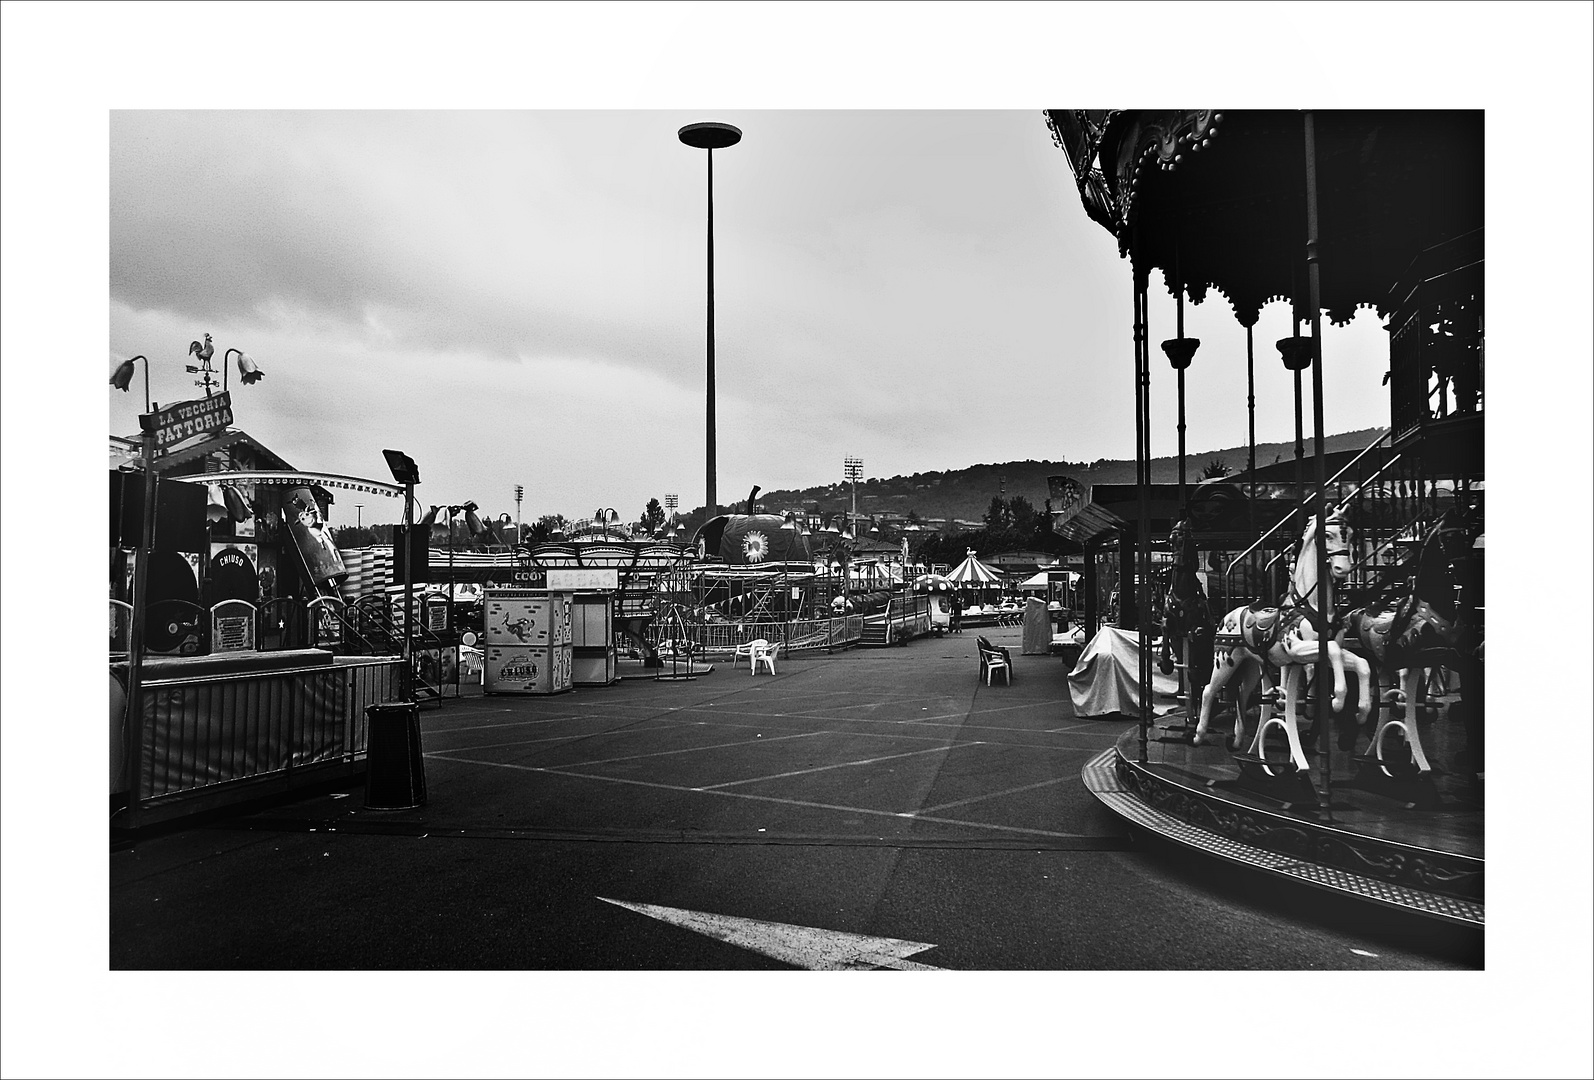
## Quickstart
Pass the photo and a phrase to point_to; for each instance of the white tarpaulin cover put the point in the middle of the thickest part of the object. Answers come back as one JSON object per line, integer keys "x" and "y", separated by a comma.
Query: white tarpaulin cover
{"x": 1037, "y": 627}
{"x": 1106, "y": 679}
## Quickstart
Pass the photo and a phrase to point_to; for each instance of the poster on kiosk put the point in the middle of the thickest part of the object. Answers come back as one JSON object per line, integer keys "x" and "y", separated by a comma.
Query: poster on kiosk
{"x": 520, "y": 669}
{"x": 528, "y": 642}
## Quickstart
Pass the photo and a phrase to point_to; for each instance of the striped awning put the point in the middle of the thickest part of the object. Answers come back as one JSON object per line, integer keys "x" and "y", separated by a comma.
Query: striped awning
{"x": 295, "y": 479}
{"x": 973, "y": 572}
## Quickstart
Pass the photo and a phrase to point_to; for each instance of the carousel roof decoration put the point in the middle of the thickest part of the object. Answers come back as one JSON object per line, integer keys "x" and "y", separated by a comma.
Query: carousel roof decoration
{"x": 1223, "y": 196}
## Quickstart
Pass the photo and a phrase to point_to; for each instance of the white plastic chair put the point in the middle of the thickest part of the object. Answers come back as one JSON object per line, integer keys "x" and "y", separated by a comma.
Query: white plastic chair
{"x": 993, "y": 659}
{"x": 764, "y": 653}
{"x": 751, "y": 649}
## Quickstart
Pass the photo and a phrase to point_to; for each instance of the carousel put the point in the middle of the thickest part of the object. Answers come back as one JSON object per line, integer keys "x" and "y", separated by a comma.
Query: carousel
{"x": 1324, "y": 618}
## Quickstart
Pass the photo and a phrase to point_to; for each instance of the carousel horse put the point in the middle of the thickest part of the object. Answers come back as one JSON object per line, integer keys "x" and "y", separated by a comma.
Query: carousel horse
{"x": 1187, "y": 617}
{"x": 1403, "y": 642}
{"x": 1254, "y": 639}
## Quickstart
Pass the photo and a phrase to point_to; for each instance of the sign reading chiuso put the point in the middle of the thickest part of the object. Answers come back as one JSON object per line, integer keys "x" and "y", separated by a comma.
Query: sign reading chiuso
{"x": 186, "y": 419}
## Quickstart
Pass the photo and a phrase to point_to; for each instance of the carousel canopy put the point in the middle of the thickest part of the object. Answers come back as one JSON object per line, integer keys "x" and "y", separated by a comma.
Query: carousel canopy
{"x": 973, "y": 572}
{"x": 1219, "y": 198}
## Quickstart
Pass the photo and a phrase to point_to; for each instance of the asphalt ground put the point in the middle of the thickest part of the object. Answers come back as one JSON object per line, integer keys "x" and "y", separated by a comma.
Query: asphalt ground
{"x": 883, "y": 792}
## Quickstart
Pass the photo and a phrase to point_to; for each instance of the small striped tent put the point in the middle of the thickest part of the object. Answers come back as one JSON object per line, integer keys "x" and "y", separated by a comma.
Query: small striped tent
{"x": 973, "y": 572}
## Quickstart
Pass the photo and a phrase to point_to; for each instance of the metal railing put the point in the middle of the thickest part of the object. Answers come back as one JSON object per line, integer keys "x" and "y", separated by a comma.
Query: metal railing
{"x": 217, "y": 739}
{"x": 1299, "y": 510}
{"x": 720, "y": 640}
{"x": 1372, "y": 492}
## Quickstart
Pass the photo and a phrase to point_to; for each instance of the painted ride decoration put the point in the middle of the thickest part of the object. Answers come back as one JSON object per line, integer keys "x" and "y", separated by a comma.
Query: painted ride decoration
{"x": 940, "y": 591}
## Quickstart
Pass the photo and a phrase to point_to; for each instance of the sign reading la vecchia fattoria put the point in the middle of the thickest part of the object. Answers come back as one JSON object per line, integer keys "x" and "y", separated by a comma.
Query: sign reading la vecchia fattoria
{"x": 186, "y": 419}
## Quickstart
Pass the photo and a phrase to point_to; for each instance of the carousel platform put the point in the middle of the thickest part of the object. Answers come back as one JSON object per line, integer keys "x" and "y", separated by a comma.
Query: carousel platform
{"x": 1411, "y": 844}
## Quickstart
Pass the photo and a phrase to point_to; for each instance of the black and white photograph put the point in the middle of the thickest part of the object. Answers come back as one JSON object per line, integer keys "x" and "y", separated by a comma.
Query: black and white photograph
{"x": 620, "y": 514}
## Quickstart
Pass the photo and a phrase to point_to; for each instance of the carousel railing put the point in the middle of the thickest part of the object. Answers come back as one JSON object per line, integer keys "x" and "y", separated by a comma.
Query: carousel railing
{"x": 1361, "y": 489}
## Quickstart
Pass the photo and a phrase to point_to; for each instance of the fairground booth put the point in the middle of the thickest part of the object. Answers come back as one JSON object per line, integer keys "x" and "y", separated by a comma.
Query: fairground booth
{"x": 221, "y": 568}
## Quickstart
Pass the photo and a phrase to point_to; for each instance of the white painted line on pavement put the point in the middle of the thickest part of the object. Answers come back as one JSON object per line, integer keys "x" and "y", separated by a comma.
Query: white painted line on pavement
{"x": 506, "y": 724}
{"x": 838, "y": 765}
{"x": 691, "y": 749}
{"x": 919, "y": 738}
{"x": 518, "y": 742}
{"x": 993, "y": 795}
{"x": 818, "y": 719}
{"x": 988, "y": 826}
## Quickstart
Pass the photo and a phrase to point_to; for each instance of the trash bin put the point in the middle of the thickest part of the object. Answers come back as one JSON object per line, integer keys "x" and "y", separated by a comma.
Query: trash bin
{"x": 395, "y": 777}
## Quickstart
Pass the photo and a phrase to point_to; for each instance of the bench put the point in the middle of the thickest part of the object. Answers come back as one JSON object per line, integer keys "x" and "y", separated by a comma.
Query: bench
{"x": 994, "y": 658}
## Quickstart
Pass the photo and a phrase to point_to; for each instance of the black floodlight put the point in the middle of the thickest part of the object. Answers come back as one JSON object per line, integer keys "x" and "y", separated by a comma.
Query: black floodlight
{"x": 402, "y": 466}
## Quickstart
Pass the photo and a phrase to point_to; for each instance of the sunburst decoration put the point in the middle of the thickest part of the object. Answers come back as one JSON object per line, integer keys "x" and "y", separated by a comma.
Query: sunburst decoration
{"x": 755, "y": 547}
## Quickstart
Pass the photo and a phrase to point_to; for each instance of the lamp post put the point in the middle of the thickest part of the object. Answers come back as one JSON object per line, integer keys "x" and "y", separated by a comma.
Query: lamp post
{"x": 520, "y": 493}
{"x": 710, "y": 136}
{"x": 248, "y": 371}
{"x": 852, "y": 469}
{"x": 122, "y": 377}
{"x": 405, "y": 472}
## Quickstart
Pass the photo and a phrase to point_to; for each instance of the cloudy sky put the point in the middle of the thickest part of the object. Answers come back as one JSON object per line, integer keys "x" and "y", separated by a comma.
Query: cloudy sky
{"x": 519, "y": 297}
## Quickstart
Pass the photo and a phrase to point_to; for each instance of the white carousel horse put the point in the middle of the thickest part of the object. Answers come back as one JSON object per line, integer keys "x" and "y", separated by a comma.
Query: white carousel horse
{"x": 1252, "y": 639}
{"x": 1421, "y": 627}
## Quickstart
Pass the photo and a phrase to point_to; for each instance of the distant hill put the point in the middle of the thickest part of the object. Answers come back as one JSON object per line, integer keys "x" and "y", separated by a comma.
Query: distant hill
{"x": 967, "y": 493}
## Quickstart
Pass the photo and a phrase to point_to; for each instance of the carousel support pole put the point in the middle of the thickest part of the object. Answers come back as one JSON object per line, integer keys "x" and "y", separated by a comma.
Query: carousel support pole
{"x": 1090, "y": 593}
{"x": 1180, "y": 359}
{"x": 1180, "y": 351}
{"x": 1314, "y": 289}
{"x": 1250, "y": 416}
{"x": 1142, "y": 556}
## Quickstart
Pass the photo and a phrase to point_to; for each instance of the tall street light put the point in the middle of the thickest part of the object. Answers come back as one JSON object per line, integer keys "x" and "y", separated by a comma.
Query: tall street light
{"x": 710, "y": 136}
{"x": 853, "y": 471}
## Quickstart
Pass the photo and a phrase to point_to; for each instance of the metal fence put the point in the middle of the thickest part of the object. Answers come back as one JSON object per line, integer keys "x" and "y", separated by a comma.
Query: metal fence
{"x": 210, "y": 740}
{"x": 719, "y": 640}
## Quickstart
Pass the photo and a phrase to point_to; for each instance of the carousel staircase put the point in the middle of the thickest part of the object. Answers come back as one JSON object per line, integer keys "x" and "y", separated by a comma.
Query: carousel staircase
{"x": 876, "y": 630}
